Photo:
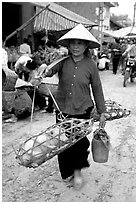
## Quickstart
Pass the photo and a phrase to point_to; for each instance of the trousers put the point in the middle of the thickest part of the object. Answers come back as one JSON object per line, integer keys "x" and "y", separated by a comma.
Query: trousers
{"x": 76, "y": 156}
{"x": 115, "y": 64}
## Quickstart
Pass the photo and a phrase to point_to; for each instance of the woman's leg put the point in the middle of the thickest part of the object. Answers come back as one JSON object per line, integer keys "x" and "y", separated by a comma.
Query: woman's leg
{"x": 76, "y": 156}
{"x": 114, "y": 66}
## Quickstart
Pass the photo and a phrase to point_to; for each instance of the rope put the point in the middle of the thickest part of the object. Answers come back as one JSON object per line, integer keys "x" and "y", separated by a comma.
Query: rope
{"x": 60, "y": 115}
{"x": 32, "y": 111}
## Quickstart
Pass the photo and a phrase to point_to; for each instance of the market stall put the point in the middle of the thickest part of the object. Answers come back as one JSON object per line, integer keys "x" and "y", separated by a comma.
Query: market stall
{"x": 50, "y": 20}
{"x": 54, "y": 22}
{"x": 13, "y": 51}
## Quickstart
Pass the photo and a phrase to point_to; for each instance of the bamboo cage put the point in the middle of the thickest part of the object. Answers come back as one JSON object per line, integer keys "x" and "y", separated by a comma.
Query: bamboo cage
{"x": 55, "y": 139}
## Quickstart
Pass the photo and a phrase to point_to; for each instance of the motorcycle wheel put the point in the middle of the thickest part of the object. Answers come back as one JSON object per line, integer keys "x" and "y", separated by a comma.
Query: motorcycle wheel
{"x": 126, "y": 77}
{"x": 124, "y": 83}
{"x": 131, "y": 79}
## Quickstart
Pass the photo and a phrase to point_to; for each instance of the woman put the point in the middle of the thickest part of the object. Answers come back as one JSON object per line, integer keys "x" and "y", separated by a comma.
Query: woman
{"x": 76, "y": 73}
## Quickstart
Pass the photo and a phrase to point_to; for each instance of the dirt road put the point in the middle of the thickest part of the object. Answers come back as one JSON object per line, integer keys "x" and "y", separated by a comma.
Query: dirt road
{"x": 114, "y": 181}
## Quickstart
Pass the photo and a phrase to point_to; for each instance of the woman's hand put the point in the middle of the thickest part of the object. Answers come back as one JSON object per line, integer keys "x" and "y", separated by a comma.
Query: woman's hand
{"x": 102, "y": 121}
{"x": 36, "y": 81}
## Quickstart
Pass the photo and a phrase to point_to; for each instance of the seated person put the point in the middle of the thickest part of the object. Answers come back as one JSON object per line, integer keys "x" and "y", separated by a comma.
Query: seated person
{"x": 103, "y": 62}
{"x": 20, "y": 67}
{"x": 26, "y": 68}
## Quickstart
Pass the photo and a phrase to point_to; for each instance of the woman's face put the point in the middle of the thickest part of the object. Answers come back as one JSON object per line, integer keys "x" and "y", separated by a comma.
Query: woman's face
{"x": 77, "y": 47}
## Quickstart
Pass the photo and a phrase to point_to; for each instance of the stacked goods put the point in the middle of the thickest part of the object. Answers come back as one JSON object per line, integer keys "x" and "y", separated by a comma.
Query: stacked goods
{"x": 50, "y": 142}
{"x": 49, "y": 56}
{"x": 113, "y": 111}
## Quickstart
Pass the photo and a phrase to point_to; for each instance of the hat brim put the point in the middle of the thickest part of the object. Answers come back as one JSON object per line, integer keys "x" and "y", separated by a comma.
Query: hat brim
{"x": 91, "y": 44}
{"x": 22, "y": 83}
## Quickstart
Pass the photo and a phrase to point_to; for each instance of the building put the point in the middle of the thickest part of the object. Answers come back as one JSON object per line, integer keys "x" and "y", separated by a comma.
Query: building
{"x": 98, "y": 12}
{"x": 14, "y": 14}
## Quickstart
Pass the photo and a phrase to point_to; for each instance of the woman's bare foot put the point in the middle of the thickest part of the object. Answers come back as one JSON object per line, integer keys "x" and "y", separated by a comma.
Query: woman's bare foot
{"x": 69, "y": 181}
{"x": 78, "y": 180}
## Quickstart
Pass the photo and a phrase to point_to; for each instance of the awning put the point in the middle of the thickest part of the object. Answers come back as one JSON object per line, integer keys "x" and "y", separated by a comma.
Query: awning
{"x": 57, "y": 18}
{"x": 125, "y": 32}
{"x": 105, "y": 33}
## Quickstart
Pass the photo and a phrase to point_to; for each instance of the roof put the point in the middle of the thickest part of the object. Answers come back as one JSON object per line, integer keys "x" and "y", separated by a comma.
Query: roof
{"x": 57, "y": 17}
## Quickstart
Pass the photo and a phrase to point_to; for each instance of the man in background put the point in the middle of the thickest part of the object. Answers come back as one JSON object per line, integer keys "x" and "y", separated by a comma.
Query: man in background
{"x": 29, "y": 42}
{"x": 25, "y": 48}
{"x": 116, "y": 53}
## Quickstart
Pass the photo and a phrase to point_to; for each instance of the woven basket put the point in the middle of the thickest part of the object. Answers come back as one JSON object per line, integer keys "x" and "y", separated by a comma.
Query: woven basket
{"x": 113, "y": 111}
{"x": 43, "y": 146}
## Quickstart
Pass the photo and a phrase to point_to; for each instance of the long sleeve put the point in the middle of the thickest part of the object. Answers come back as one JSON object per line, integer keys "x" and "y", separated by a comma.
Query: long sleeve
{"x": 55, "y": 67}
{"x": 97, "y": 90}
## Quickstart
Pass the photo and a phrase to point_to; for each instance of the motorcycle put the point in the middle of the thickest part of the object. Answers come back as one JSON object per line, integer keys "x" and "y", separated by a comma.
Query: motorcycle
{"x": 130, "y": 71}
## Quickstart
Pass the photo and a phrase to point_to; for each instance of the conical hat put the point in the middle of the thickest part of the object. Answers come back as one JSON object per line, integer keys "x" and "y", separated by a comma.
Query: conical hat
{"x": 21, "y": 83}
{"x": 79, "y": 32}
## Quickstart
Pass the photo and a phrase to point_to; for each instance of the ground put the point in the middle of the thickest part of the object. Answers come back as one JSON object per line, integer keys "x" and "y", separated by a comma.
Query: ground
{"x": 113, "y": 181}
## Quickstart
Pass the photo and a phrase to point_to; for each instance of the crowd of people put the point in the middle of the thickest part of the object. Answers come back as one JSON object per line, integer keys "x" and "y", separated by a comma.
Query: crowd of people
{"x": 115, "y": 54}
{"x": 29, "y": 63}
{"x": 111, "y": 55}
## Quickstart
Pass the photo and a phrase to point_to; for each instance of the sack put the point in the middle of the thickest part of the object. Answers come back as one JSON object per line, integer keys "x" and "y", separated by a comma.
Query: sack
{"x": 22, "y": 105}
{"x": 9, "y": 79}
